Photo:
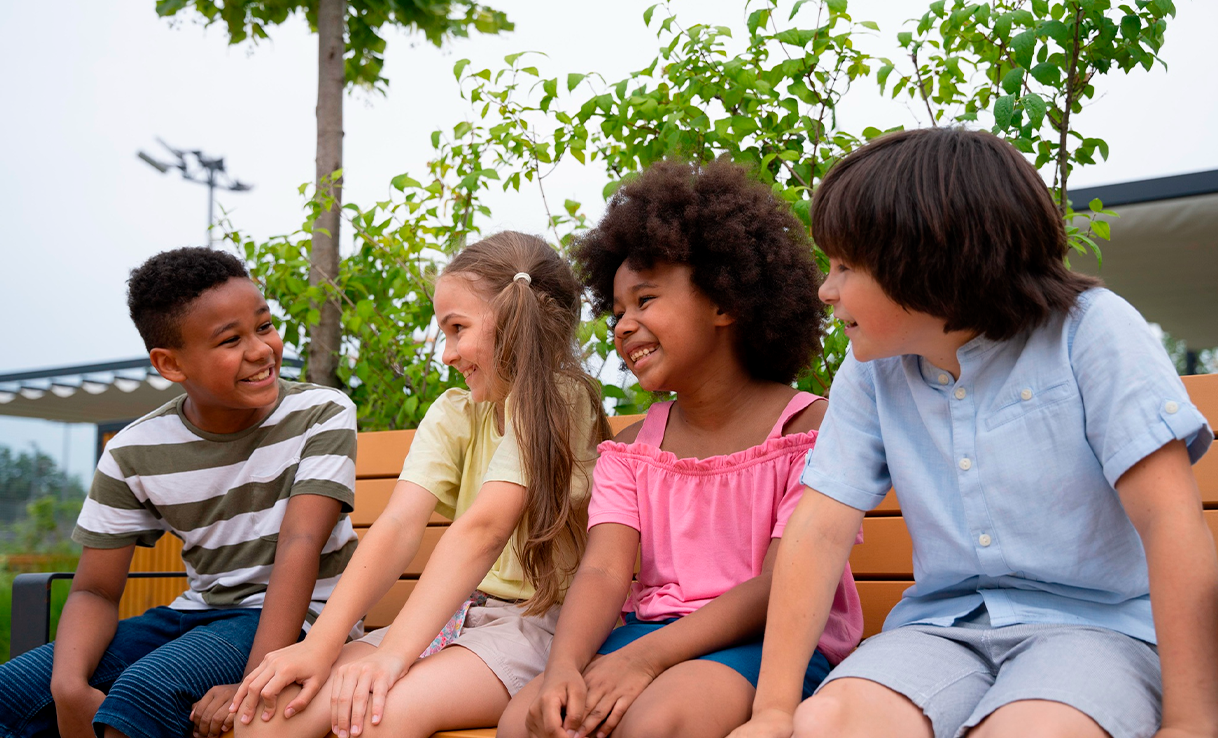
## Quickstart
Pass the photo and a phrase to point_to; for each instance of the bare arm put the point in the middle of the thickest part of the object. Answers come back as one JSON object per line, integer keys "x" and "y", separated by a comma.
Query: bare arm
{"x": 307, "y": 523}
{"x": 462, "y": 558}
{"x": 88, "y": 623}
{"x": 1160, "y": 496}
{"x": 814, "y": 549}
{"x": 378, "y": 561}
{"x": 588, "y": 615}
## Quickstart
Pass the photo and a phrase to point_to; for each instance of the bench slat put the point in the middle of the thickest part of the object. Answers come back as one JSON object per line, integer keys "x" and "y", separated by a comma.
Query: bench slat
{"x": 371, "y": 497}
{"x": 1203, "y": 391}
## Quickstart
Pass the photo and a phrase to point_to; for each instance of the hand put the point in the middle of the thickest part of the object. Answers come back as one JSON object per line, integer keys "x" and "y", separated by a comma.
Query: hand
{"x": 210, "y": 714}
{"x": 562, "y": 691}
{"x": 766, "y": 724}
{"x": 614, "y": 681}
{"x": 300, "y": 663}
{"x": 371, "y": 675}
{"x": 75, "y": 710}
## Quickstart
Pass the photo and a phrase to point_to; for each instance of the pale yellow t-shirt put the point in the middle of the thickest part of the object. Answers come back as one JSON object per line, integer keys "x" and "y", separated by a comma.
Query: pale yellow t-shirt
{"x": 458, "y": 447}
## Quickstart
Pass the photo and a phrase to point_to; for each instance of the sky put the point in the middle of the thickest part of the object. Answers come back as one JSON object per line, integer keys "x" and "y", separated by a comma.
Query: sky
{"x": 83, "y": 94}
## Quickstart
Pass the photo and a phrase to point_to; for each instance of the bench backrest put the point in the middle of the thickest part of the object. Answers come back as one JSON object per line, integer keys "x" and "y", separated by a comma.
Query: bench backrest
{"x": 882, "y": 564}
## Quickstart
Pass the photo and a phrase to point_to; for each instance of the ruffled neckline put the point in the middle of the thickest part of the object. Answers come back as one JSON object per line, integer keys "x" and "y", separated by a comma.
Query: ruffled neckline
{"x": 737, "y": 460}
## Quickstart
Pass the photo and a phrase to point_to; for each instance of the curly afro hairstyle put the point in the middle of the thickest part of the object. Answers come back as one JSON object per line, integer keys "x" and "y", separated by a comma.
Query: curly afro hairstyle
{"x": 747, "y": 252}
{"x": 161, "y": 289}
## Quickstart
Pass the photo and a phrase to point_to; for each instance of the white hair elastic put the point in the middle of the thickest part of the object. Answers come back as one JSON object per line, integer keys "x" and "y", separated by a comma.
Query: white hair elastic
{"x": 523, "y": 275}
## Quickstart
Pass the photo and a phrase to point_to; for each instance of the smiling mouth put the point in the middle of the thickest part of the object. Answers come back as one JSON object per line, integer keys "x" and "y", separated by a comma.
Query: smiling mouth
{"x": 260, "y": 376}
{"x": 640, "y": 353}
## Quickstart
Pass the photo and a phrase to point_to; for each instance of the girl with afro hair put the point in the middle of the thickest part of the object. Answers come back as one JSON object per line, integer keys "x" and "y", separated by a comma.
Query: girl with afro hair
{"x": 712, "y": 289}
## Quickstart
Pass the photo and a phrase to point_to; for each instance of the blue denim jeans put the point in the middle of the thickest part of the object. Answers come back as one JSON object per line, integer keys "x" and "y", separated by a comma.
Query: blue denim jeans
{"x": 158, "y": 665}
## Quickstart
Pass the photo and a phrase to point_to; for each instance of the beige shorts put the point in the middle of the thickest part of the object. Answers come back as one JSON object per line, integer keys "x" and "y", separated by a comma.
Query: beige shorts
{"x": 513, "y": 645}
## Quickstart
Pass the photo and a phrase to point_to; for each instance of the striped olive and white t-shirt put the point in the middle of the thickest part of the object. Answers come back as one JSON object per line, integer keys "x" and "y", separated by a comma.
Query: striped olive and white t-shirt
{"x": 225, "y": 495}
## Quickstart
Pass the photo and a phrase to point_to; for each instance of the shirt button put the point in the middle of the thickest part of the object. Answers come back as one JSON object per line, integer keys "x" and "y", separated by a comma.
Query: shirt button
{"x": 960, "y": 393}
{"x": 984, "y": 539}
{"x": 1171, "y": 407}
{"x": 944, "y": 379}
{"x": 1025, "y": 395}
{"x": 966, "y": 464}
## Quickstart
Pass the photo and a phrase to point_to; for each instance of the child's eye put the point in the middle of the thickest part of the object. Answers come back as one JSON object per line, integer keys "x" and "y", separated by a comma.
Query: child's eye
{"x": 643, "y": 300}
{"x": 229, "y": 341}
{"x": 266, "y": 327}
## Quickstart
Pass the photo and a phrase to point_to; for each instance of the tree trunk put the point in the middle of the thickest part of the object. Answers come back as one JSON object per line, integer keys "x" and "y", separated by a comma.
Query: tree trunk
{"x": 324, "y": 338}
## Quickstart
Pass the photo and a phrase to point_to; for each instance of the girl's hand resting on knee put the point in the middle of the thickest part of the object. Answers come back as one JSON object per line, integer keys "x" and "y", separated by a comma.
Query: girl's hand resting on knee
{"x": 766, "y": 724}
{"x": 613, "y": 682}
{"x": 300, "y": 663}
{"x": 563, "y": 693}
{"x": 354, "y": 682}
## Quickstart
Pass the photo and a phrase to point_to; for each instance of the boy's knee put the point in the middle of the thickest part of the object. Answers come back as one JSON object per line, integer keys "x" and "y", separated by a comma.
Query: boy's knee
{"x": 822, "y": 715}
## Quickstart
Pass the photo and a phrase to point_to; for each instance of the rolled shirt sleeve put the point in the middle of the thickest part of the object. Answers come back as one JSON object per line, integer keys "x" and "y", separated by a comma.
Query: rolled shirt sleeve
{"x": 1133, "y": 399}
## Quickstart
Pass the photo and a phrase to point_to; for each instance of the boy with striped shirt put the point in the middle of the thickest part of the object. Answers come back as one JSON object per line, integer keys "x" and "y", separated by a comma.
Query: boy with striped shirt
{"x": 255, "y": 474}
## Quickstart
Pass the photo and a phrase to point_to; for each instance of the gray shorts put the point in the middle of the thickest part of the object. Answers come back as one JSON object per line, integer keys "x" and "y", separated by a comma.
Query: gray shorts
{"x": 959, "y": 675}
{"x": 513, "y": 645}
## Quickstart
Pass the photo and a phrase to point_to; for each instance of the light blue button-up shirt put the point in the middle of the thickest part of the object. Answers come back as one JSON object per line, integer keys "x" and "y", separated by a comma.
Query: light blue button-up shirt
{"x": 1006, "y": 475}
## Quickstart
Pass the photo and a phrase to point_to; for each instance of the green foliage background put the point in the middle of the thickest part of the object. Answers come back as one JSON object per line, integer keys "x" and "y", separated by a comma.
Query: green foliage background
{"x": 765, "y": 95}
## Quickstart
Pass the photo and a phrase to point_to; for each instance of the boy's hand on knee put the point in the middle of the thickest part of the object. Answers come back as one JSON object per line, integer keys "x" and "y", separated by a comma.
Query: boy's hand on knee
{"x": 558, "y": 710}
{"x": 614, "y": 681}
{"x": 75, "y": 710}
{"x": 210, "y": 714}
{"x": 766, "y": 724}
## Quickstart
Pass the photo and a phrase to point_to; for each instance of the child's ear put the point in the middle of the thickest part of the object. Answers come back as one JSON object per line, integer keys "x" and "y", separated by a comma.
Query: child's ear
{"x": 166, "y": 363}
{"x": 723, "y": 318}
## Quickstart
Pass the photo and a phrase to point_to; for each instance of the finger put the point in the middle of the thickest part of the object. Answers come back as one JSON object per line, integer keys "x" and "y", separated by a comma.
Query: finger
{"x": 270, "y": 696}
{"x": 252, "y": 686}
{"x": 308, "y": 691}
{"x": 600, "y": 707}
{"x": 380, "y": 690}
{"x": 342, "y": 705}
{"x": 613, "y": 718}
{"x": 576, "y": 695}
{"x": 227, "y": 724}
{"x": 551, "y": 715}
{"x": 359, "y": 701}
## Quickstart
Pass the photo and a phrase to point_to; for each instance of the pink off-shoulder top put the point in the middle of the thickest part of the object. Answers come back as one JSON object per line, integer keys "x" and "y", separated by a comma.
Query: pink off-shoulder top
{"x": 705, "y": 524}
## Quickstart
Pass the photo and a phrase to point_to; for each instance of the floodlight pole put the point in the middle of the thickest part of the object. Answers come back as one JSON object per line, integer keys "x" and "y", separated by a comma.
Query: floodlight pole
{"x": 206, "y": 170}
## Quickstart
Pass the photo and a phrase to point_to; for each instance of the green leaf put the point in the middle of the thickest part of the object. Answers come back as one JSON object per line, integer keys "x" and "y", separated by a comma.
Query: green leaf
{"x": 573, "y": 80}
{"x": 550, "y": 87}
{"x": 905, "y": 38}
{"x": 1013, "y": 80}
{"x": 1096, "y": 205}
{"x": 836, "y": 6}
{"x": 1034, "y": 106}
{"x": 1023, "y": 46}
{"x": 1004, "y": 110}
{"x": 402, "y": 181}
{"x": 870, "y": 24}
{"x": 460, "y": 67}
{"x": 881, "y": 75}
{"x": 1102, "y": 229}
{"x": 1047, "y": 73}
{"x": 647, "y": 15}
{"x": 1130, "y": 27}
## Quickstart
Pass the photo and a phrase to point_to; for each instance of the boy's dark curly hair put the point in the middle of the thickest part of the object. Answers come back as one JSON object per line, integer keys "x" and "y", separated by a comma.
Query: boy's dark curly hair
{"x": 748, "y": 254}
{"x": 162, "y": 288}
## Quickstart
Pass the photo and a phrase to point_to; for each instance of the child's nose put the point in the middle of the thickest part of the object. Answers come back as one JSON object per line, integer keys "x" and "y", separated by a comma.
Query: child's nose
{"x": 828, "y": 291}
{"x": 625, "y": 326}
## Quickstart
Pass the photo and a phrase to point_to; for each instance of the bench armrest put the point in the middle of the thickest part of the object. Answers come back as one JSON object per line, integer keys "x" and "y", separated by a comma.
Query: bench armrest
{"x": 31, "y": 615}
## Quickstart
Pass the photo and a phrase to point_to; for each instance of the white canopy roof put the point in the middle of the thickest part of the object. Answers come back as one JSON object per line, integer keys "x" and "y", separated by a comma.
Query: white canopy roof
{"x": 92, "y": 393}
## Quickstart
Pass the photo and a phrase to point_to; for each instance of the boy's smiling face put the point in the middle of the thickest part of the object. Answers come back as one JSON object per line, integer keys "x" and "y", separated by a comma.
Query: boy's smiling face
{"x": 228, "y": 358}
{"x": 878, "y": 327}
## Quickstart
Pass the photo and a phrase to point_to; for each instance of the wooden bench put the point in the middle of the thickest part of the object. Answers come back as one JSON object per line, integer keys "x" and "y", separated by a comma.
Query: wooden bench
{"x": 882, "y": 564}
